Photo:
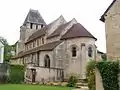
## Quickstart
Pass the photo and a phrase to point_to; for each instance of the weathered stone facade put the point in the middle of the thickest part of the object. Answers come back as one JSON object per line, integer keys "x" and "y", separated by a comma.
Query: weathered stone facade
{"x": 112, "y": 26}
{"x": 50, "y": 57}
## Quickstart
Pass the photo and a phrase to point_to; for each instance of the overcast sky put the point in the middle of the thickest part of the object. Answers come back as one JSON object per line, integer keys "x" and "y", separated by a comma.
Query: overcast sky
{"x": 86, "y": 12}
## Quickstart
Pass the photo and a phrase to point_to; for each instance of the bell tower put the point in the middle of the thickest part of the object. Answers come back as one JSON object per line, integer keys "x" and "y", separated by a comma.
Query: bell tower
{"x": 32, "y": 23}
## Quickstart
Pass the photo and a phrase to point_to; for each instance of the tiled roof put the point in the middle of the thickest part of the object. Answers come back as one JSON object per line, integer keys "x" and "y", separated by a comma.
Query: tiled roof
{"x": 57, "y": 31}
{"x": 77, "y": 30}
{"x": 45, "y": 47}
{"x": 42, "y": 31}
{"x": 37, "y": 34}
{"x": 34, "y": 17}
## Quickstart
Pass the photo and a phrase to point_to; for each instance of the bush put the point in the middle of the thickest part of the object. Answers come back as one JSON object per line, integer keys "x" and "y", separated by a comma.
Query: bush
{"x": 72, "y": 81}
{"x": 16, "y": 74}
{"x": 109, "y": 73}
{"x": 90, "y": 68}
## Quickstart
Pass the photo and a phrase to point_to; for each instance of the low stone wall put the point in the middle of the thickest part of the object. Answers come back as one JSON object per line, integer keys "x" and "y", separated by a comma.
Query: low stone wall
{"x": 48, "y": 74}
{"x": 99, "y": 84}
{"x": 44, "y": 74}
{"x": 4, "y": 71}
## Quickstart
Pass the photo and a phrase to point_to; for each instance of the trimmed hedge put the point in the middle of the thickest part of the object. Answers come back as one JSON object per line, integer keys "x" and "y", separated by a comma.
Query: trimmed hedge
{"x": 16, "y": 74}
{"x": 109, "y": 72}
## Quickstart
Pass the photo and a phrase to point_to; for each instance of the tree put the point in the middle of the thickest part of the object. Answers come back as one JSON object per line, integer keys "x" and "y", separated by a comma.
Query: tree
{"x": 7, "y": 49}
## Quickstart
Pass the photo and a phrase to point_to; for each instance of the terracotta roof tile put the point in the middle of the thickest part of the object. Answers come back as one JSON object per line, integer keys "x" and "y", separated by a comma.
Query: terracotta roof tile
{"x": 77, "y": 30}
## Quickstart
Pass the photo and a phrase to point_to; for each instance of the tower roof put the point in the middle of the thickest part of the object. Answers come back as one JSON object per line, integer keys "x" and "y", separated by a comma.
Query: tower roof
{"x": 77, "y": 30}
{"x": 102, "y": 17}
{"x": 34, "y": 16}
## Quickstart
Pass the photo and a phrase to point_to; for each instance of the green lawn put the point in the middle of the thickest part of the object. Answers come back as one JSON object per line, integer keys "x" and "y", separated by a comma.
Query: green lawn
{"x": 30, "y": 87}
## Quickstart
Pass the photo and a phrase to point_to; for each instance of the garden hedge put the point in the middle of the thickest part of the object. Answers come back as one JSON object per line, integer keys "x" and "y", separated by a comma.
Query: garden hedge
{"x": 16, "y": 74}
{"x": 109, "y": 72}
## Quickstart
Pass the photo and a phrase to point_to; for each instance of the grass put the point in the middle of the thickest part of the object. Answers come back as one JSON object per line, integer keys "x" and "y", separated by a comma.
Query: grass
{"x": 30, "y": 87}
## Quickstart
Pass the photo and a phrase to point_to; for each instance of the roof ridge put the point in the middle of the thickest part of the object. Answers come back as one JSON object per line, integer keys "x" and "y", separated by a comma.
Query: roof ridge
{"x": 77, "y": 30}
{"x": 102, "y": 17}
{"x": 60, "y": 17}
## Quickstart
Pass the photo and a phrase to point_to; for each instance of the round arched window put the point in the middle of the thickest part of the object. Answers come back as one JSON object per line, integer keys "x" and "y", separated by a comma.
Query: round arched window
{"x": 90, "y": 51}
{"x": 47, "y": 61}
{"x": 74, "y": 52}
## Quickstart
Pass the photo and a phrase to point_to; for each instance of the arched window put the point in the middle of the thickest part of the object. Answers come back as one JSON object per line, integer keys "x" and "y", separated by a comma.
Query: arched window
{"x": 47, "y": 61}
{"x": 74, "y": 52}
{"x": 31, "y": 25}
{"x": 42, "y": 40}
{"x": 90, "y": 51}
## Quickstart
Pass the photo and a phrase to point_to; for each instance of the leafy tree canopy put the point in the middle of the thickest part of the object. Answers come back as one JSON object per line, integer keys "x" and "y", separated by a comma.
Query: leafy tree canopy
{"x": 7, "y": 49}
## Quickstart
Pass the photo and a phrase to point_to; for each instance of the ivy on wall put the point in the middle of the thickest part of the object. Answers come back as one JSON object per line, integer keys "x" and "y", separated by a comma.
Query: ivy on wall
{"x": 109, "y": 72}
{"x": 16, "y": 74}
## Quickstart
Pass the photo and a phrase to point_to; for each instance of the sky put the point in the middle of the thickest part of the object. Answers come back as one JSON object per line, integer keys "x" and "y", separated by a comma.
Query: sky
{"x": 86, "y": 12}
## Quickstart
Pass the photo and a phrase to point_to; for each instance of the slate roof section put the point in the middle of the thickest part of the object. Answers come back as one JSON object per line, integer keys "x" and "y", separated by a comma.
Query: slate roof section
{"x": 77, "y": 30}
{"x": 45, "y": 47}
{"x": 49, "y": 46}
{"x": 37, "y": 34}
{"x": 34, "y": 16}
{"x": 43, "y": 30}
{"x": 58, "y": 30}
{"x": 103, "y": 16}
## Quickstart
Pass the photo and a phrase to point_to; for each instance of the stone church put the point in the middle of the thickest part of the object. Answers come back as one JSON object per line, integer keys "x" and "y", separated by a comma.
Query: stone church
{"x": 51, "y": 52}
{"x": 112, "y": 28}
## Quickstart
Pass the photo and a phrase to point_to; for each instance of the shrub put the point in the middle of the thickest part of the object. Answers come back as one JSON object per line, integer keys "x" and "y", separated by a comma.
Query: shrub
{"x": 72, "y": 81}
{"x": 109, "y": 73}
{"x": 16, "y": 74}
{"x": 90, "y": 68}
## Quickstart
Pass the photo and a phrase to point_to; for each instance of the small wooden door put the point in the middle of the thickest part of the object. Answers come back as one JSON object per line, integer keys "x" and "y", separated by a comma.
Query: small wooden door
{"x": 33, "y": 75}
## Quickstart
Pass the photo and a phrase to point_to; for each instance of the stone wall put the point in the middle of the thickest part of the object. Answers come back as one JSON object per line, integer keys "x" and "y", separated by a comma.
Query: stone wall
{"x": 42, "y": 56}
{"x": 112, "y": 28}
{"x": 47, "y": 74}
{"x": 42, "y": 73}
{"x": 4, "y": 71}
{"x": 77, "y": 64}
